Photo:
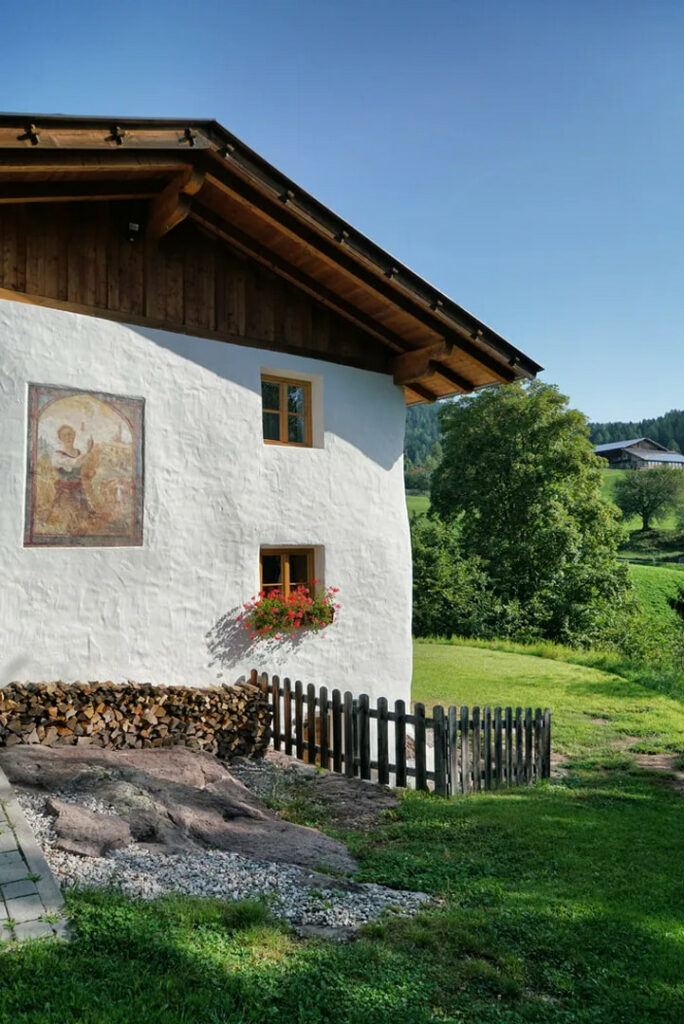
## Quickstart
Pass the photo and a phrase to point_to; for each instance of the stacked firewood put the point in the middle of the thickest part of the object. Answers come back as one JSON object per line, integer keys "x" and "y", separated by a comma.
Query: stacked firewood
{"x": 229, "y": 721}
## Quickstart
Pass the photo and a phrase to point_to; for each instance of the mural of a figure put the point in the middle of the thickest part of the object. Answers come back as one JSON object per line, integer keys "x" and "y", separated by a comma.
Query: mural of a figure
{"x": 84, "y": 477}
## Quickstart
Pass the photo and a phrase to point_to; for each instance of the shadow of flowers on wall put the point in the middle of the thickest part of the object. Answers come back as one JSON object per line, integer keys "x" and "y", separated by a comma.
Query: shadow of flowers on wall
{"x": 231, "y": 647}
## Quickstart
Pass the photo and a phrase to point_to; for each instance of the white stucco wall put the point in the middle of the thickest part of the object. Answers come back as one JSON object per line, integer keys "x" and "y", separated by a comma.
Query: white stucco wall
{"x": 214, "y": 493}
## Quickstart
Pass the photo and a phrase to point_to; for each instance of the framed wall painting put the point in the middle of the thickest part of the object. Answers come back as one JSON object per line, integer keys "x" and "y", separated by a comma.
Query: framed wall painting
{"x": 84, "y": 479}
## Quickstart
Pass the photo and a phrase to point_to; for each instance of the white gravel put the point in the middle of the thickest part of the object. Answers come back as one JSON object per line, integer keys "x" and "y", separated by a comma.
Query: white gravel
{"x": 287, "y": 889}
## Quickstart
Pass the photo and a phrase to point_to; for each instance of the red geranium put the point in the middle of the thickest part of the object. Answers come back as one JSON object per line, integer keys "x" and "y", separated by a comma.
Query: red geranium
{"x": 301, "y": 610}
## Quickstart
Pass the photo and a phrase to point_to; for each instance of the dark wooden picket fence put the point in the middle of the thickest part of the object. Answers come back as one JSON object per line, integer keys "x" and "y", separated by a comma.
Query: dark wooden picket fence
{"x": 470, "y": 749}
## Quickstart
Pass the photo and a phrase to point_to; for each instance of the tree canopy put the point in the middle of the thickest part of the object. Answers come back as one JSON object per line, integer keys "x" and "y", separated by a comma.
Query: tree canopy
{"x": 648, "y": 493}
{"x": 519, "y": 475}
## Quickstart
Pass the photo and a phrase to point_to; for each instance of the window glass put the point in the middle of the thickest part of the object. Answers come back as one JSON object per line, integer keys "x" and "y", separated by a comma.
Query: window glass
{"x": 270, "y": 394}
{"x": 296, "y": 399}
{"x": 271, "y": 570}
{"x": 299, "y": 569}
{"x": 296, "y": 429}
{"x": 271, "y": 422}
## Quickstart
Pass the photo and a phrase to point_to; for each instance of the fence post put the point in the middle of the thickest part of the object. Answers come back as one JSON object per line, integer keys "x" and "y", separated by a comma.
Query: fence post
{"x": 287, "y": 715}
{"x": 509, "y": 747}
{"x": 323, "y": 713}
{"x": 383, "y": 742}
{"x": 439, "y": 735}
{"x": 400, "y": 742}
{"x": 519, "y": 774}
{"x": 528, "y": 745}
{"x": 465, "y": 753}
{"x": 477, "y": 771}
{"x": 299, "y": 720}
{"x": 275, "y": 696}
{"x": 538, "y": 746}
{"x": 421, "y": 771}
{"x": 488, "y": 748}
{"x": 311, "y": 723}
{"x": 364, "y": 735}
{"x": 348, "y": 735}
{"x": 337, "y": 730}
{"x": 498, "y": 749}
{"x": 452, "y": 717}
{"x": 547, "y": 743}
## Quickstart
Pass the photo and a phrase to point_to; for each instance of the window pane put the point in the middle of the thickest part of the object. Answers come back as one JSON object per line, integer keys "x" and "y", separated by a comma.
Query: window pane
{"x": 271, "y": 426}
{"x": 299, "y": 569}
{"x": 271, "y": 570}
{"x": 296, "y": 429}
{"x": 270, "y": 394}
{"x": 296, "y": 399}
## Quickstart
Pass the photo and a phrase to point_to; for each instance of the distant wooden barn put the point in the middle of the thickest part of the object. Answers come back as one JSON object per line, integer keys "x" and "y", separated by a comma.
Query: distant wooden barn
{"x": 639, "y": 453}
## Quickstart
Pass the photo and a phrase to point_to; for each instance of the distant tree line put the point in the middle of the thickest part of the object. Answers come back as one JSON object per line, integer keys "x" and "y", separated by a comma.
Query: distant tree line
{"x": 667, "y": 430}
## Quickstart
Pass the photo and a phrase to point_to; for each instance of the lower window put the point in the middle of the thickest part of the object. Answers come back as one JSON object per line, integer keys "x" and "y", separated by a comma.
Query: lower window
{"x": 285, "y": 569}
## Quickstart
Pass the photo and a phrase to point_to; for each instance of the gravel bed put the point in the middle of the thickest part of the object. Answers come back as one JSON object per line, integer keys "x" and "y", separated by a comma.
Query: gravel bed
{"x": 287, "y": 889}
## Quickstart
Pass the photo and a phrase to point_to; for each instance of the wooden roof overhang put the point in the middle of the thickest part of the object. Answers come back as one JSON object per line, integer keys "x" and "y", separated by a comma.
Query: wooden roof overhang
{"x": 200, "y": 172}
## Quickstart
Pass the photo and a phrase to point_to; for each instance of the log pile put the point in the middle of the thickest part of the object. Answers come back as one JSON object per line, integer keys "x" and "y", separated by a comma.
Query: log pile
{"x": 228, "y": 721}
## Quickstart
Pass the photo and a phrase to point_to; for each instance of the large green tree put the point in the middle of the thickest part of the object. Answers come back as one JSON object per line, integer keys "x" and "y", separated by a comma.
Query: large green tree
{"x": 519, "y": 474}
{"x": 649, "y": 493}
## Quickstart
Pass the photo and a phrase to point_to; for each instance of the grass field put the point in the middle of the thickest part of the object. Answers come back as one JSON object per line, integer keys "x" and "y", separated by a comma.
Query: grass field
{"x": 656, "y": 585}
{"x": 419, "y": 503}
{"x": 561, "y": 903}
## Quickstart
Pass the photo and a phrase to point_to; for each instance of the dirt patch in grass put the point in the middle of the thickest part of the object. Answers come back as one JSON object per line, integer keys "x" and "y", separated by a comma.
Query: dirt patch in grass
{"x": 666, "y": 764}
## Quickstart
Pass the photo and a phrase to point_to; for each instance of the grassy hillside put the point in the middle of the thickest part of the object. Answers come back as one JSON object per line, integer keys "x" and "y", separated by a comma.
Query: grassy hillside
{"x": 655, "y": 585}
{"x": 610, "y": 479}
{"x": 417, "y": 503}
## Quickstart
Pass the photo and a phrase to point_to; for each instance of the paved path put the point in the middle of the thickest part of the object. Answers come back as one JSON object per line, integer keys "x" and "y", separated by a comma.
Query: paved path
{"x": 30, "y": 902}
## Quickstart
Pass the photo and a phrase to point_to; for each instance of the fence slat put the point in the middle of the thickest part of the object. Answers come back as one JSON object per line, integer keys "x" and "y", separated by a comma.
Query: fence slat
{"x": 465, "y": 753}
{"x": 383, "y": 743}
{"x": 337, "y": 730}
{"x": 440, "y": 736}
{"x": 400, "y": 743}
{"x": 547, "y": 744}
{"x": 477, "y": 770}
{"x": 519, "y": 773}
{"x": 299, "y": 720}
{"x": 324, "y": 722}
{"x": 498, "y": 750}
{"x": 287, "y": 715}
{"x": 363, "y": 719}
{"x": 488, "y": 748}
{"x": 452, "y": 718}
{"x": 419, "y": 741}
{"x": 311, "y": 723}
{"x": 275, "y": 706}
{"x": 348, "y": 735}
{"x": 509, "y": 747}
{"x": 528, "y": 745}
{"x": 537, "y": 744}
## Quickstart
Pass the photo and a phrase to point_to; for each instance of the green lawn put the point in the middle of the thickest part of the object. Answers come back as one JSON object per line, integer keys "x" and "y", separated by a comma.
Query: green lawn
{"x": 562, "y": 904}
{"x": 656, "y": 585}
{"x": 417, "y": 503}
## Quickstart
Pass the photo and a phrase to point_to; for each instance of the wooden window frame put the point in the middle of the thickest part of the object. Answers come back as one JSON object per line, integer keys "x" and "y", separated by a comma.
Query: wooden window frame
{"x": 285, "y": 586}
{"x": 283, "y": 383}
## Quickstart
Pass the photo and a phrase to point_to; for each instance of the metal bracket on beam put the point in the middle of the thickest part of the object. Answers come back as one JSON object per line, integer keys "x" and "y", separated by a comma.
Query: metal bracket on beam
{"x": 117, "y": 134}
{"x": 31, "y": 134}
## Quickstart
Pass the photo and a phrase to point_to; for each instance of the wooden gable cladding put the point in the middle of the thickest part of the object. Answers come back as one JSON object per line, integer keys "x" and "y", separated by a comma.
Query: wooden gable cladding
{"x": 77, "y": 256}
{"x": 228, "y": 247}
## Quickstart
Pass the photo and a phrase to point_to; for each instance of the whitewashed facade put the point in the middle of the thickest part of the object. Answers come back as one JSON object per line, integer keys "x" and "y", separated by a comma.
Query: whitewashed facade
{"x": 214, "y": 494}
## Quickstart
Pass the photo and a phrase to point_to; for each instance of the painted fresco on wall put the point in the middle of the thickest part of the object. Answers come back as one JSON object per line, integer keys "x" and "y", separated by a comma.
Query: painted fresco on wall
{"x": 84, "y": 483}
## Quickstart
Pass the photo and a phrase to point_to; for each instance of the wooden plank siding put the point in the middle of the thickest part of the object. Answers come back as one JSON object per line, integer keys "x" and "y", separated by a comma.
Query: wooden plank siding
{"x": 78, "y": 257}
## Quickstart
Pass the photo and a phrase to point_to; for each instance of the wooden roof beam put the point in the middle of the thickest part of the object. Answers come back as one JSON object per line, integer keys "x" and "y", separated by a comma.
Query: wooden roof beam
{"x": 418, "y": 363}
{"x": 75, "y": 191}
{"x": 423, "y": 393}
{"x": 464, "y": 386}
{"x": 173, "y": 204}
{"x": 281, "y": 215}
{"x": 255, "y": 250}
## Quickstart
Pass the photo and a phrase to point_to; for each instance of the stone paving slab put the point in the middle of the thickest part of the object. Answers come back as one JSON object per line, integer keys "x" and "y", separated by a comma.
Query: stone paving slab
{"x": 31, "y": 904}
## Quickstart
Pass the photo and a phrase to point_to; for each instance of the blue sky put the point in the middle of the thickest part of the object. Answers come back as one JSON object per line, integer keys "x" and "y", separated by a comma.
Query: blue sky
{"x": 526, "y": 157}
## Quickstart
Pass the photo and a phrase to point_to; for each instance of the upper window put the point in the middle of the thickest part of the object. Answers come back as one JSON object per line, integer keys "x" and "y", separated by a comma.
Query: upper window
{"x": 286, "y": 569}
{"x": 286, "y": 411}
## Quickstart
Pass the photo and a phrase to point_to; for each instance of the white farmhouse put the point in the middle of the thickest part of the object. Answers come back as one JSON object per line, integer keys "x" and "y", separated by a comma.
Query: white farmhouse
{"x": 204, "y": 374}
